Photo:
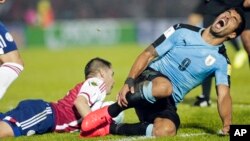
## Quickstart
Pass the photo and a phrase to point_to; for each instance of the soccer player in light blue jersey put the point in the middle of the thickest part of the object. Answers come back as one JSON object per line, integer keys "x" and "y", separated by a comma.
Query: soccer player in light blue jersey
{"x": 178, "y": 61}
{"x": 11, "y": 64}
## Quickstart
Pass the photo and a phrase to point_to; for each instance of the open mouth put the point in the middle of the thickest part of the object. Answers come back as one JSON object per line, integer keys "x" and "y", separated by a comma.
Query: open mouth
{"x": 221, "y": 23}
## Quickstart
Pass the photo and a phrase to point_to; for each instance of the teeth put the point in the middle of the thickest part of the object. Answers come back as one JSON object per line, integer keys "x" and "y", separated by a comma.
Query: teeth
{"x": 223, "y": 21}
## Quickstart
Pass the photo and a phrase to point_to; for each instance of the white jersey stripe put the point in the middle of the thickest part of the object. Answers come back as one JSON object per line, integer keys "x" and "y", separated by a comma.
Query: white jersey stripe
{"x": 33, "y": 123}
{"x": 14, "y": 68}
{"x": 2, "y": 42}
{"x": 43, "y": 116}
{"x": 102, "y": 87}
{"x": 48, "y": 109}
{"x": 36, "y": 117}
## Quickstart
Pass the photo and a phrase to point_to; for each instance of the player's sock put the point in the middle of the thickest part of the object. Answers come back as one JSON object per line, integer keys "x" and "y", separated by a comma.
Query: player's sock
{"x": 142, "y": 96}
{"x": 8, "y": 73}
{"x": 132, "y": 129}
{"x": 206, "y": 88}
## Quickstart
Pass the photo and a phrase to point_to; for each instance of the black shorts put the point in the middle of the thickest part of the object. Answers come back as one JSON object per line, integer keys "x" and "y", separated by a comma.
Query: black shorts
{"x": 247, "y": 17}
{"x": 163, "y": 108}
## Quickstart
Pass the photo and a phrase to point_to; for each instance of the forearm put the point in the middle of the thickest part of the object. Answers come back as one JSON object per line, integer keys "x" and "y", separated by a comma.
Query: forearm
{"x": 82, "y": 106}
{"x": 225, "y": 111}
{"x": 142, "y": 61}
{"x": 246, "y": 3}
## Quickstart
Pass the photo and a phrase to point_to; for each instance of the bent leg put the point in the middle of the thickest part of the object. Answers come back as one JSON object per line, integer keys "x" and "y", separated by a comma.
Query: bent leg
{"x": 161, "y": 87}
{"x": 5, "y": 130}
{"x": 11, "y": 67}
{"x": 164, "y": 127}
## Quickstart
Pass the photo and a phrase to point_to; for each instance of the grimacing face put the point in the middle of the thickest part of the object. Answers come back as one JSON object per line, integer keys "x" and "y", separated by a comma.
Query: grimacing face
{"x": 226, "y": 23}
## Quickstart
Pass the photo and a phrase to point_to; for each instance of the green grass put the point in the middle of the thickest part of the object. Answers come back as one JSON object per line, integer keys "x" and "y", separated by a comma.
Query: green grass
{"x": 49, "y": 74}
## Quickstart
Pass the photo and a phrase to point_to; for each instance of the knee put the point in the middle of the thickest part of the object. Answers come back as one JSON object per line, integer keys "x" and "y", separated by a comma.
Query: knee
{"x": 164, "y": 127}
{"x": 12, "y": 57}
{"x": 162, "y": 87}
{"x": 164, "y": 131}
{"x": 5, "y": 130}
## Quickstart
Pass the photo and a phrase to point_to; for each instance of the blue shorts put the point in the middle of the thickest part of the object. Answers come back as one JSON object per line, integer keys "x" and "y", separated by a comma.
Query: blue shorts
{"x": 7, "y": 43}
{"x": 30, "y": 117}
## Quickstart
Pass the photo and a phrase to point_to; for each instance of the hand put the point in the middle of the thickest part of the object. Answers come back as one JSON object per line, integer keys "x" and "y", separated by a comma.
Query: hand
{"x": 224, "y": 131}
{"x": 122, "y": 101}
{"x": 128, "y": 87}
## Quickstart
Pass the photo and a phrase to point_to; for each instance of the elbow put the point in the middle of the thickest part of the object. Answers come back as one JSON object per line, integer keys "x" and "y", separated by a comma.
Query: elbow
{"x": 246, "y": 4}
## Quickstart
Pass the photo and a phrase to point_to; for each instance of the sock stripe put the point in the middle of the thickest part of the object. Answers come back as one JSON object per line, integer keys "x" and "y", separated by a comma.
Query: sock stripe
{"x": 14, "y": 68}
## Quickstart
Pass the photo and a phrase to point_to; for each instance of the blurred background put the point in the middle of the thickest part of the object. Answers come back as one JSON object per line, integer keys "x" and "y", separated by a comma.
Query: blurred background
{"x": 64, "y": 23}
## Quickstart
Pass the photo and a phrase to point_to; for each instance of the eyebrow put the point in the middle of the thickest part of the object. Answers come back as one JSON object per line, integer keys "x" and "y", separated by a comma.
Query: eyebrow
{"x": 233, "y": 16}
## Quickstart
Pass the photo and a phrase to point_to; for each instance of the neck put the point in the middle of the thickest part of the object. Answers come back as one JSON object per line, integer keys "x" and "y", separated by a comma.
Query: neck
{"x": 96, "y": 75}
{"x": 211, "y": 39}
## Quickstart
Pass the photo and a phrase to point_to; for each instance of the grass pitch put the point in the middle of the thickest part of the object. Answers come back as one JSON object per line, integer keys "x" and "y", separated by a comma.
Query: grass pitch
{"x": 49, "y": 74}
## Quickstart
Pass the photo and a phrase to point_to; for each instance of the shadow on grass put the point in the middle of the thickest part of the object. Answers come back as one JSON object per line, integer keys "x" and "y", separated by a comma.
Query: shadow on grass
{"x": 197, "y": 126}
{"x": 191, "y": 100}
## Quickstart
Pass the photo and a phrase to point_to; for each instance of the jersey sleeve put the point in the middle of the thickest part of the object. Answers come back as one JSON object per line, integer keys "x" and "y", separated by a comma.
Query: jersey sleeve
{"x": 93, "y": 90}
{"x": 166, "y": 41}
{"x": 222, "y": 75}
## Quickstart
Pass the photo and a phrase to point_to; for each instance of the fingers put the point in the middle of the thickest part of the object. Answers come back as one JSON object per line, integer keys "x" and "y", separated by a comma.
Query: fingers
{"x": 121, "y": 98}
{"x": 132, "y": 90}
{"x": 222, "y": 133}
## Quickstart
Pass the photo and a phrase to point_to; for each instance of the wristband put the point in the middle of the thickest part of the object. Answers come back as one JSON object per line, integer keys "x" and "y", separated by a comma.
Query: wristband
{"x": 130, "y": 81}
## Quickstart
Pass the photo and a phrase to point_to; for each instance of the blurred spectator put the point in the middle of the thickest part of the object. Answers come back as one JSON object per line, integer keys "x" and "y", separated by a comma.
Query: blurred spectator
{"x": 77, "y": 9}
{"x": 45, "y": 13}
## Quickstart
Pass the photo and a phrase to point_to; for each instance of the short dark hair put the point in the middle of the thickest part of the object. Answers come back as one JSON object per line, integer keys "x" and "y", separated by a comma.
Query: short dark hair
{"x": 242, "y": 24}
{"x": 94, "y": 65}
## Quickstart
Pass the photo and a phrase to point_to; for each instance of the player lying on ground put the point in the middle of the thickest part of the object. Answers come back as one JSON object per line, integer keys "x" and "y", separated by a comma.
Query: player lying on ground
{"x": 39, "y": 117}
{"x": 178, "y": 61}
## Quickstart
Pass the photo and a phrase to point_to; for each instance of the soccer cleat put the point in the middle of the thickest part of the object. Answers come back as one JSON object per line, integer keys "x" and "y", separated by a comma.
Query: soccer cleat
{"x": 102, "y": 131}
{"x": 96, "y": 119}
{"x": 202, "y": 102}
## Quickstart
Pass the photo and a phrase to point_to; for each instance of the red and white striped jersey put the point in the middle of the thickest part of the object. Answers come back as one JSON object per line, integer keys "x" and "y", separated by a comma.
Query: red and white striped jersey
{"x": 67, "y": 118}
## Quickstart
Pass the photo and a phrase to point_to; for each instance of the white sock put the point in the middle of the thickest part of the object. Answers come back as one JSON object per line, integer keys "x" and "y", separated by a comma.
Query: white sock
{"x": 8, "y": 73}
{"x": 149, "y": 130}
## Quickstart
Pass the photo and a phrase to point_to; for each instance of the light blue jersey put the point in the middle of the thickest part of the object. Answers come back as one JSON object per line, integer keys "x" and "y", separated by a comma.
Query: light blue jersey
{"x": 186, "y": 59}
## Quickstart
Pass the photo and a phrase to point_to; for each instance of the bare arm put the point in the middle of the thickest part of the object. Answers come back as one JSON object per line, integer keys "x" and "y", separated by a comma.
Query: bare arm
{"x": 82, "y": 106}
{"x": 141, "y": 62}
{"x": 224, "y": 107}
{"x": 246, "y": 3}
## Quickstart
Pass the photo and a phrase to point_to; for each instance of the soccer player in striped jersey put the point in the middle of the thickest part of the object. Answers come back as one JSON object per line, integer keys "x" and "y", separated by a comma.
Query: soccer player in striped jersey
{"x": 178, "y": 61}
{"x": 39, "y": 117}
{"x": 11, "y": 64}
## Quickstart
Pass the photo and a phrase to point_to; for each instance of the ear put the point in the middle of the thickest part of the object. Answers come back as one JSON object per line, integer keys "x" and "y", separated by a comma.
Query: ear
{"x": 232, "y": 35}
{"x": 102, "y": 72}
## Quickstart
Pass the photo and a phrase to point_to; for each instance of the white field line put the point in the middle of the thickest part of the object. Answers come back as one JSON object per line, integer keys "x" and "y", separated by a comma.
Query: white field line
{"x": 191, "y": 134}
{"x": 134, "y": 138}
{"x": 215, "y": 105}
{"x": 236, "y": 105}
{"x": 241, "y": 105}
{"x": 145, "y": 138}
